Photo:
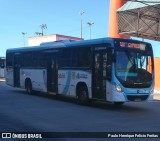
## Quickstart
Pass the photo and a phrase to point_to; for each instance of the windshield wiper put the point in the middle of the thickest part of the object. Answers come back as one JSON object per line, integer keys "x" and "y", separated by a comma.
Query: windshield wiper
{"x": 129, "y": 57}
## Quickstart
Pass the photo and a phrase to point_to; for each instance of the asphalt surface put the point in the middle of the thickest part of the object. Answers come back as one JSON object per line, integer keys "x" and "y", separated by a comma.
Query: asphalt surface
{"x": 20, "y": 112}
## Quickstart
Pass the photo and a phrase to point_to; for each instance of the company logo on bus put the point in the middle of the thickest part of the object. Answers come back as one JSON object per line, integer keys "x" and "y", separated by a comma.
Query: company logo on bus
{"x": 133, "y": 45}
{"x": 61, "y": 75}
{"x": 84, "y": 76}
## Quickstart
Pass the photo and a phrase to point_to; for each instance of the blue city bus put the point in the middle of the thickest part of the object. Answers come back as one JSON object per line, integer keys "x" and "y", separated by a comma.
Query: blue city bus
{"x": 107, "y": 69}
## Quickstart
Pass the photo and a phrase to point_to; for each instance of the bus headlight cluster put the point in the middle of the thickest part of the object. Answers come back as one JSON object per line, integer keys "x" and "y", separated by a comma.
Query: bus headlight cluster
{"x": 119, "y": 89}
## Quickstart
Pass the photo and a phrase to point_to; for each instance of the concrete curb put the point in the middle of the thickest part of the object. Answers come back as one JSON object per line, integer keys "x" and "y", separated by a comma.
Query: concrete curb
{"x": 156, "y": 97}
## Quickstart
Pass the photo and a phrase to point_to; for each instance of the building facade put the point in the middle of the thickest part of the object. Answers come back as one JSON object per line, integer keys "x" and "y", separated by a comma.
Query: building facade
{"x": 37, "y": 40}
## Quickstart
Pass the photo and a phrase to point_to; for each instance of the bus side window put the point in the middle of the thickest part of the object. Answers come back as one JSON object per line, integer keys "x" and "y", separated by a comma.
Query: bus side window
{"x": 9, "y": 59}
{"x": 65, "y": 58}
{"x": 27, "y": 60}
{"x": 81, "y": 57}
{"x": 84, "y": 57}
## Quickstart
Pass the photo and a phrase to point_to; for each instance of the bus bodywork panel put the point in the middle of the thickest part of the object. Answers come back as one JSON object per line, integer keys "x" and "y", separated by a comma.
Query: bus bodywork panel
{"x": 9, "y": 76}
{"x": 39, "y": 83}
{"x": 127, "y": 94}
{"x": 69, "y": 79}
{"x": 2, "y": 73}
{"x": 130, "y": 94}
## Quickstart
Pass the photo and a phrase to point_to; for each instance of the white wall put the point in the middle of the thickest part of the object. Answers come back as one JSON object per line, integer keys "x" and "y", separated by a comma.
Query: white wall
{"x": 35, "y": 41}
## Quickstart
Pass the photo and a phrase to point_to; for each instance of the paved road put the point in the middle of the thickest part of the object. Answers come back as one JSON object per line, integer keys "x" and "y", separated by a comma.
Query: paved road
{"x": 20, "y": 112}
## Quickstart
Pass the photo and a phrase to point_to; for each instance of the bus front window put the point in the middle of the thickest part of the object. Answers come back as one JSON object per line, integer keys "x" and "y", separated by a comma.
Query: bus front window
{"x": 134, "y": 69}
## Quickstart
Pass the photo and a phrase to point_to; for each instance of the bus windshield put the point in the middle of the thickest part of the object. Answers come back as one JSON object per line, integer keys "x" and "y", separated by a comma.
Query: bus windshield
{"x": 134, "y": 69}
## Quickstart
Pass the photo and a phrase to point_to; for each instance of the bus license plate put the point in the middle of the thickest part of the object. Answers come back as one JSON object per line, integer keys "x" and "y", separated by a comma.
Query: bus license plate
{"x": 138, "y": 99}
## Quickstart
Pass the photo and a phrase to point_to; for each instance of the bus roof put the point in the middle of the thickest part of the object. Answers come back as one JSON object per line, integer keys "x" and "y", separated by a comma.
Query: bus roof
{"x": 67, "y": 43}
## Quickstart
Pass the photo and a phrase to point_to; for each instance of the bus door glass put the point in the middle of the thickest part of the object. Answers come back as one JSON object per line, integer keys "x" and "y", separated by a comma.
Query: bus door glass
{"x": 99, "y": 74}
{"x": 52, "y": 71}
{"x": 17, "y": 65}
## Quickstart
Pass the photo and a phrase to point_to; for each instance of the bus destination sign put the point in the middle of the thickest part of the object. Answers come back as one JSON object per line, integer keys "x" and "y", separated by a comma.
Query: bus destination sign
{"x": 133, "y": 45}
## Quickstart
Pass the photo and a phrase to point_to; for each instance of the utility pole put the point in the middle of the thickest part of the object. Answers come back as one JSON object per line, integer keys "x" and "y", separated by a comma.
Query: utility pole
{"x": 43, "y": 26}
{"x": 24, "y": 33}
{"x": 90, "y": 25}
{"x": 81, "y": 14}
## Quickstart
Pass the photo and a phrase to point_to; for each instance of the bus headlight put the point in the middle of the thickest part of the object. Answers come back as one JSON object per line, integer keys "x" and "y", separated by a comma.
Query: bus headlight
{"x": 119, "y": 89}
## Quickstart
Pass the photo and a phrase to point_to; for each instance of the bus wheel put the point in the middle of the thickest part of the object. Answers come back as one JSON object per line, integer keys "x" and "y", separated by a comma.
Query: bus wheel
{"x": 29, "y": 87}
{"x": 83, "y": 95}
{"x": 118, "y": 103}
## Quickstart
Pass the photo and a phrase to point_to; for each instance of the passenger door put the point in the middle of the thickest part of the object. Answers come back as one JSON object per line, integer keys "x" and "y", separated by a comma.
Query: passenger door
{"x": 17, "y": 64}
{"x": 52, "y": 72}
{"x": 101, "y": 73}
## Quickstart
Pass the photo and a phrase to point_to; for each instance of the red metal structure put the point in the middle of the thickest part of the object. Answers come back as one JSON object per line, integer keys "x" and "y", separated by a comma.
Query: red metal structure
{"x": 144, "y": 26}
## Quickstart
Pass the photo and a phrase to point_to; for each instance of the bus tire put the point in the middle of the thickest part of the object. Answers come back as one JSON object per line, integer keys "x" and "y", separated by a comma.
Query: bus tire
{"x": 28, "y": 87}
{"x": 118, "y": 103}
{"x": 82, "y": 94}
